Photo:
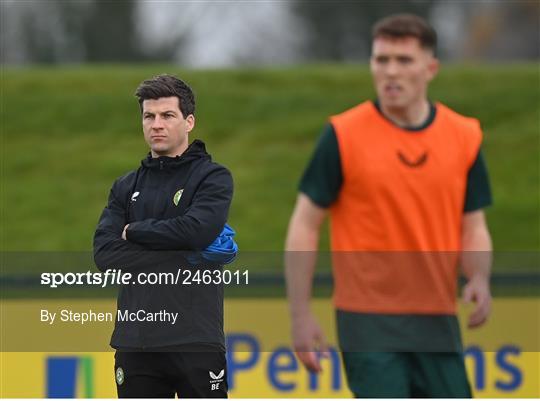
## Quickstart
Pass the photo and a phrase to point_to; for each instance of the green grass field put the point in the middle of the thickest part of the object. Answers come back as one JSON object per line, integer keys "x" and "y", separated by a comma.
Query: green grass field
{"x": 67, "y": 133}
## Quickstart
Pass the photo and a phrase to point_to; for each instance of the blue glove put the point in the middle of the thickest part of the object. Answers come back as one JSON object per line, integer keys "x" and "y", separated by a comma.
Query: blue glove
{"x": 222, "y": 251}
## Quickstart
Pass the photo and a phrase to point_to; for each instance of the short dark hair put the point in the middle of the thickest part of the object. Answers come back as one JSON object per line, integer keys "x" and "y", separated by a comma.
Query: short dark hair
{"x": 407, "y": 25}
{"x": 166, "y": 85}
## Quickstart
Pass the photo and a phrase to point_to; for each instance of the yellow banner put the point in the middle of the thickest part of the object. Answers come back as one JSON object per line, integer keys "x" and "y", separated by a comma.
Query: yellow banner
{"x": 260, "y": 361}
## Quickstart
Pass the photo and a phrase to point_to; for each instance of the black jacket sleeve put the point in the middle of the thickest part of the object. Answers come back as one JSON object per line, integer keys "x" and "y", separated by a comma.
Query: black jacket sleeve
{"x": 198, "y": 227}
{"x": 111, "y": 251}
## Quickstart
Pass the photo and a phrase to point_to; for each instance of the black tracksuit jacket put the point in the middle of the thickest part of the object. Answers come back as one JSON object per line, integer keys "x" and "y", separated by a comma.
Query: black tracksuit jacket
{"x": 159, "y": 234}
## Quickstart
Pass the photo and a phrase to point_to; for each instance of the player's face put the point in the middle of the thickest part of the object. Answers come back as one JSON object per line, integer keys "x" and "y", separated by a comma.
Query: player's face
{"x": 401, "y": 71}
{"x": 165, "y": 128}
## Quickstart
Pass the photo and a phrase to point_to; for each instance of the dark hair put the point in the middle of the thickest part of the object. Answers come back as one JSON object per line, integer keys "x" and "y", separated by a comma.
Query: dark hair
{"x": 404, "y": 25}
{"x": 165, "y": 85}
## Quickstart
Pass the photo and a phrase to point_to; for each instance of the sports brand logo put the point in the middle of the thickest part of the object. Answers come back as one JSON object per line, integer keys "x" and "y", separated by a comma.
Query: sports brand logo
{"x": 414, "y": 163}
{"x": 215, "y": 380}
{"x": 134, "y": 196}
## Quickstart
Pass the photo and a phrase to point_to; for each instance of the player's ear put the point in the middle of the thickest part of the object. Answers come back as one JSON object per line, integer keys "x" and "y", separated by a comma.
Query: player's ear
{"x": 190, "y": 121}
{"x": 433, "y": 67}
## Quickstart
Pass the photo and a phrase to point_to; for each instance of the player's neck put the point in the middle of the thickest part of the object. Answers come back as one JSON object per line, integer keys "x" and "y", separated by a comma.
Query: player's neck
{"x": 179, "y": 151}
{"x": 413, "y": 115}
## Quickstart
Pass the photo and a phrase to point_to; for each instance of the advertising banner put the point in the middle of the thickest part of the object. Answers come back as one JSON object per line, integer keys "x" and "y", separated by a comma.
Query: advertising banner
{"x": 261, "y": 362}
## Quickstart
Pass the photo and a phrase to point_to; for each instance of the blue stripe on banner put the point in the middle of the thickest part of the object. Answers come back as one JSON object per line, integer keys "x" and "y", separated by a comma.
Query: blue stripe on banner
{"x": 61, "y": 377}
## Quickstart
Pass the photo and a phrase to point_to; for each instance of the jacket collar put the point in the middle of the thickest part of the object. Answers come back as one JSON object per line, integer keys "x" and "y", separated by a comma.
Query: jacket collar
{"x": 195, "y": 150}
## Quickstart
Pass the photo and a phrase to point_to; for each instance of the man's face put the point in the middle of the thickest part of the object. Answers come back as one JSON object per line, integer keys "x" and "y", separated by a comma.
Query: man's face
{"x": 165, "y": 128}
{"x": 401, "y": 71}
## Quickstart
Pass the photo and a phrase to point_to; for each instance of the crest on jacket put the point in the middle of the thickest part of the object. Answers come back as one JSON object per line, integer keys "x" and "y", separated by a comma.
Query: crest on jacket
{"x": 177, "y": 196}
{"x": 119, "y": 376}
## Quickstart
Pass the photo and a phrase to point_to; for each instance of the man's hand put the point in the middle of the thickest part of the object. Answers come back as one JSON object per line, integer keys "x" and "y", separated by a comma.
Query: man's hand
{"x": 300, "y": 260}
{"x": 476, "y": 264}
{"x": 124, "y": 232}
{"x": 477, "y": 291}
{"x": 308, "y": 338}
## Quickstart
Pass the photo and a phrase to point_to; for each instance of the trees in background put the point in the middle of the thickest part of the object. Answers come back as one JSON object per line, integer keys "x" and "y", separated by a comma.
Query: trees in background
{"x": 234, "y": 33}
{"x": 61, "y": 31}
{"x": 342, "y": 30}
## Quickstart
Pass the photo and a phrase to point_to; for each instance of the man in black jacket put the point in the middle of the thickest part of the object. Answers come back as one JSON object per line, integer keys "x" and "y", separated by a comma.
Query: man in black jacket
{"x": 173, "y": 206}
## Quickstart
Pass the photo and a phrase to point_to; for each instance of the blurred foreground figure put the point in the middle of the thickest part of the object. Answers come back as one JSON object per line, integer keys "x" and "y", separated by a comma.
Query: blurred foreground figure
{"x": 167, "y": 215}
{"x": 404, "y": 183}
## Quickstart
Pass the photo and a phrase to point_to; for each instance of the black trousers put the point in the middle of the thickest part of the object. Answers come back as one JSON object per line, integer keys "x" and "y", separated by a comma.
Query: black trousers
{"x": 186, "y": 374}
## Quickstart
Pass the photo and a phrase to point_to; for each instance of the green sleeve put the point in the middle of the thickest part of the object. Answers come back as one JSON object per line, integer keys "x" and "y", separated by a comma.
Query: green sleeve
{"x": 478, "y": 193}
{"x": 322, "y": 178}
